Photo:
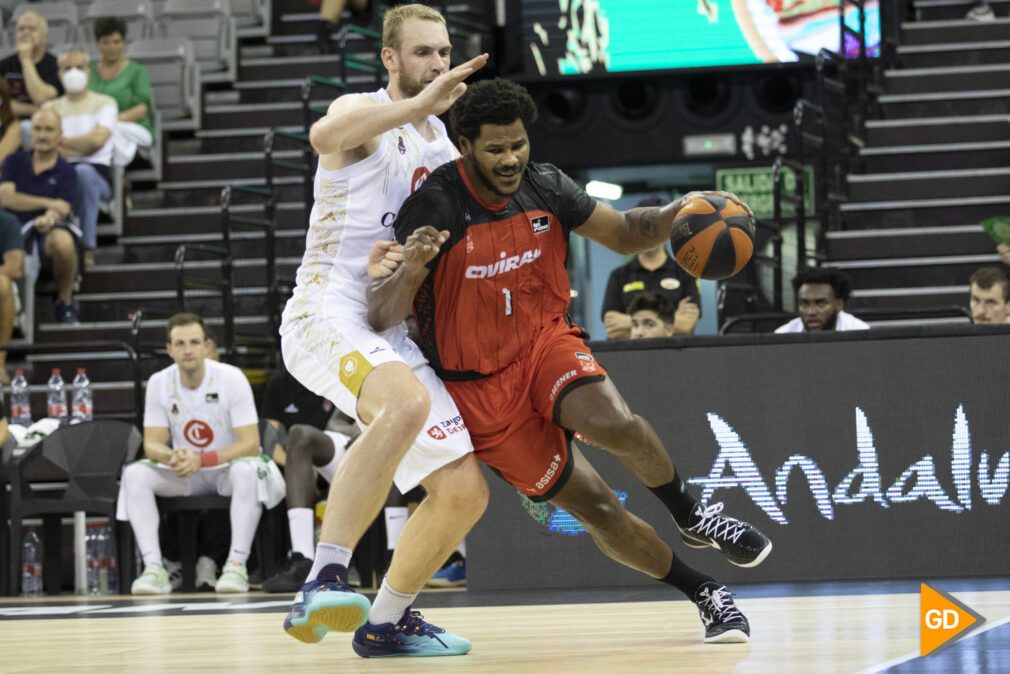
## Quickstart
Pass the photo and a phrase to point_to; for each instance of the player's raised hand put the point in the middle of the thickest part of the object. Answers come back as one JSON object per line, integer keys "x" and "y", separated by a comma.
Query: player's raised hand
{"x": 422, "y": 246}
{"x": 446, "y": 89}
{"x": 384, "y": 258}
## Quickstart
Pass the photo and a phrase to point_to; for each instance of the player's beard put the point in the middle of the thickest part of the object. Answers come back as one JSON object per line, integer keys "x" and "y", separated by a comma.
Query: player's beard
{"x": 410, "y": 87}
{"x": 488, "y": 182}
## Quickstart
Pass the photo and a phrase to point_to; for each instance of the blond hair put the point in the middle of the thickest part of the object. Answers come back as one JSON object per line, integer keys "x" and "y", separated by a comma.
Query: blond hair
{"x": 392, "y": 22}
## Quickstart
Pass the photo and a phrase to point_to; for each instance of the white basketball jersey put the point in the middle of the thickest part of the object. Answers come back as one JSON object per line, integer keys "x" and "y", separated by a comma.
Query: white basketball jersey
{"x": 354, "y": 207}
{"x": 203, "y": 418}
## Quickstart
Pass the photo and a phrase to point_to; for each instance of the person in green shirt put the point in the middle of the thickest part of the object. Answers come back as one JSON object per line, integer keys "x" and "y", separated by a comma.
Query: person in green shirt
{"x": 128, "y": 83}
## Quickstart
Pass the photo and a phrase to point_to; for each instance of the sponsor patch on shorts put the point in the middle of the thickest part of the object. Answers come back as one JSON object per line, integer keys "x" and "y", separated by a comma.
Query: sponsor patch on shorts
{"x": 447, "y": 427}
{"x": 353, "y": 370}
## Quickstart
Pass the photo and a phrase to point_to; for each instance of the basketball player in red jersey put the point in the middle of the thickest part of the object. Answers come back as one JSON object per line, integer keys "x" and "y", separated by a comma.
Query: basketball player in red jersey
{"x": 483, "y": 265}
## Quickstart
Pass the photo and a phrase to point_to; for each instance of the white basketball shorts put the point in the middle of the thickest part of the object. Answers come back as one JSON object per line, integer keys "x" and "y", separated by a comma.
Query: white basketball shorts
{"x": 332, "y": 357}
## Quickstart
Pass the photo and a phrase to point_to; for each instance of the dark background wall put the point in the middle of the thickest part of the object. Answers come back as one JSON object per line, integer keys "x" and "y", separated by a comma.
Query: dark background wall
{"x": 934, "y": 402}
{"x": 636, "y": 120}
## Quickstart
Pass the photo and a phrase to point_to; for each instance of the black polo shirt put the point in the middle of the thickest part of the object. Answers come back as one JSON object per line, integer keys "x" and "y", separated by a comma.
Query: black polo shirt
{"x": 287, "y": 401}
{"x": 632, "y": 279}
{"x": 47, "y": 68}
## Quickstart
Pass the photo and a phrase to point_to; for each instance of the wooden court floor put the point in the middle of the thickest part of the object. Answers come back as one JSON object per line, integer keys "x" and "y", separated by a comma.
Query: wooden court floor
{"x": 823, "y": 634}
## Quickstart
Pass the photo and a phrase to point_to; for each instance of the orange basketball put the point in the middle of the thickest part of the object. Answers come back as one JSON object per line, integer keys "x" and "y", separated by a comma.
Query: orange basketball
{"x": 712, "y": 237}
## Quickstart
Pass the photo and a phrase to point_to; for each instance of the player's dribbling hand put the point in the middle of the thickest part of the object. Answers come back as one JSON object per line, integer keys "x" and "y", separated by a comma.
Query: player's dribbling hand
{"x": 714, "y": 193}
{"x": 384, "y": 258}
{"x": 446, "y": 89}
{"x": 422, "y": 246}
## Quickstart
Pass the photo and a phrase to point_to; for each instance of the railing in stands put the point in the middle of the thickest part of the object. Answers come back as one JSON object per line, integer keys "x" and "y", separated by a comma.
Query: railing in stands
{"x": 224, "y": 286}
{"x": 767, "y": 322}
{"x": 829, "y": 131}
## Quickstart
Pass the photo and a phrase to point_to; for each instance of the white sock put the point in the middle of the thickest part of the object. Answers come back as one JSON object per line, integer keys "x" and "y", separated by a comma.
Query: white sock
{"x": 389, "y": 605}
{"x": 153, "y": 559}
{"x": 327, "y": 554}
{"x": 301, "y": 522}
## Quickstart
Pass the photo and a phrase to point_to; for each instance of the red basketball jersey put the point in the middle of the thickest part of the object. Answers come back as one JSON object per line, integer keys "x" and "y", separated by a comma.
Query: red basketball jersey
{"x": 501, "y": 277}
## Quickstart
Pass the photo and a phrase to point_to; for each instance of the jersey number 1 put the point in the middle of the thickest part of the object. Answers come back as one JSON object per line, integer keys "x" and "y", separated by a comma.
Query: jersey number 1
{"x": 508, "y": 301}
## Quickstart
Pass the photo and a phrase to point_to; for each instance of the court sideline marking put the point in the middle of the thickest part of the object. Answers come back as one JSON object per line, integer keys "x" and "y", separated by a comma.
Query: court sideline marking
{"x": 875, "y": 669}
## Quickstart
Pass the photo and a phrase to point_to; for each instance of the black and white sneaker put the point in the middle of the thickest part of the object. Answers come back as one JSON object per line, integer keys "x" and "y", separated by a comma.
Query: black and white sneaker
{"x": 724, "y": 624}
{"x": 740, "y": 542}
{"x": 291, "y": 576}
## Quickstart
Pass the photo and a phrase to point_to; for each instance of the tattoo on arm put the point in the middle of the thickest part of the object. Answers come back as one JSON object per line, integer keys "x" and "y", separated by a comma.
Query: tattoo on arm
{"x": 645, "y": 225}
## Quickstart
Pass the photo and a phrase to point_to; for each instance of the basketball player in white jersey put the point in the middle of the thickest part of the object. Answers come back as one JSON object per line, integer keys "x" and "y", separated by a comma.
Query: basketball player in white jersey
{"x": 206, "y": 410}
{"x": 374, "y": 150}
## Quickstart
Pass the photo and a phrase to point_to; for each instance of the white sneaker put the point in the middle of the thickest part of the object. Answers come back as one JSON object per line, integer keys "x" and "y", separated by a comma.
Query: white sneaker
{"x": 154, "y": 580}
{"x": 174, "y": 570}
{"x": 206, "y": 573}
{"x": 980, "y": 14}
{"x": 234, "y": 578}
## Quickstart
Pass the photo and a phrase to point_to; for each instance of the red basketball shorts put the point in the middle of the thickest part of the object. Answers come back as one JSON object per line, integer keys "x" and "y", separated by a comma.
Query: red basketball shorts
{"x": 514, "y": 415}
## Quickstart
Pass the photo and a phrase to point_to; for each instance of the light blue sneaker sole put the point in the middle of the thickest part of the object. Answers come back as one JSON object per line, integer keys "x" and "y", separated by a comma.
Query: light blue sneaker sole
{"x": 458, "y": 646}
{"x": 329, "y": 611}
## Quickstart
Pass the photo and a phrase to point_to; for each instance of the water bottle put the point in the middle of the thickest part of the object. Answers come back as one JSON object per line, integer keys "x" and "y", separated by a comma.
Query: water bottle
{"x": 31, "y": 565}
{"x": 92, "y": 549}
{"x": 56, "y": 402}
{"x": 82, "y": 408}
{"x": 108, "y": 576}
{"x": 21, "y": 404}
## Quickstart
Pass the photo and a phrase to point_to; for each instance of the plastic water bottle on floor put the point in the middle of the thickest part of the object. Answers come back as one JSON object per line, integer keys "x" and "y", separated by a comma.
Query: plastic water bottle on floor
{"x": 82, "y": 408}
{"x": 92, "y": 546}
{"x": 31, "y": 565}
{"x": 56, "y": 402}
{"x": 108, "y": 576}
{"x": 21, "y": 404}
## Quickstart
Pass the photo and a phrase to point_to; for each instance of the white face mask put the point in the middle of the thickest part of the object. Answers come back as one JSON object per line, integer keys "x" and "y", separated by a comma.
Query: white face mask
{"x": 74, "y": 80}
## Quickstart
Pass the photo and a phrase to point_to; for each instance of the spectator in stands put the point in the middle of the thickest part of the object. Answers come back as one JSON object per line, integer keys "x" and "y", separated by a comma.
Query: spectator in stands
{"x": 10, "y": 128}
{"x": 656, "y": 272}
{"x": 311, "y": 445}
{"x": 38, "y": 187}
{"x": 127, "y": 82}
{"x": 12, "y": 268}
{"x": 820, "y": 298}
{"x": 88, "y": 121}
{"x": 31, "y": 71}
{"x": 990, "y": 296}
{"x": 981, "y": 12}
{"x": 651, "y": 316}
{"x": 330, "y": 12}
{"x": 201, "y": 436}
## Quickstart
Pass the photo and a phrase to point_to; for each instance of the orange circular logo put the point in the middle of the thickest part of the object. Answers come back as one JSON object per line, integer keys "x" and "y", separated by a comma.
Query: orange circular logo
{"x": 198, "y": 433}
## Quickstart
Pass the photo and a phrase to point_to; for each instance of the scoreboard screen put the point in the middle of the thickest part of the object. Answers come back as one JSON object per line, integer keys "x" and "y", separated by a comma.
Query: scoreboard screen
{"x": 595, "y": 37}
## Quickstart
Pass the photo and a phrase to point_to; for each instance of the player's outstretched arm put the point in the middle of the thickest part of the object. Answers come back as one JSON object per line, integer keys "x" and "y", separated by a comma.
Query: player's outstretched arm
{"x": 353, "y": 120}
{"x": 638, "y": 229}
{"x": 390, "y": 298}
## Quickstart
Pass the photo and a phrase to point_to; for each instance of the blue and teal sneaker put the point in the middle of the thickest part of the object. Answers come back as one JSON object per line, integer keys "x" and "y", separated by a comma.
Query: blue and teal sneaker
{"x": 413, "y": 636}
{"x": 450, "y": 575}
{"x": 321, "y": 606}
